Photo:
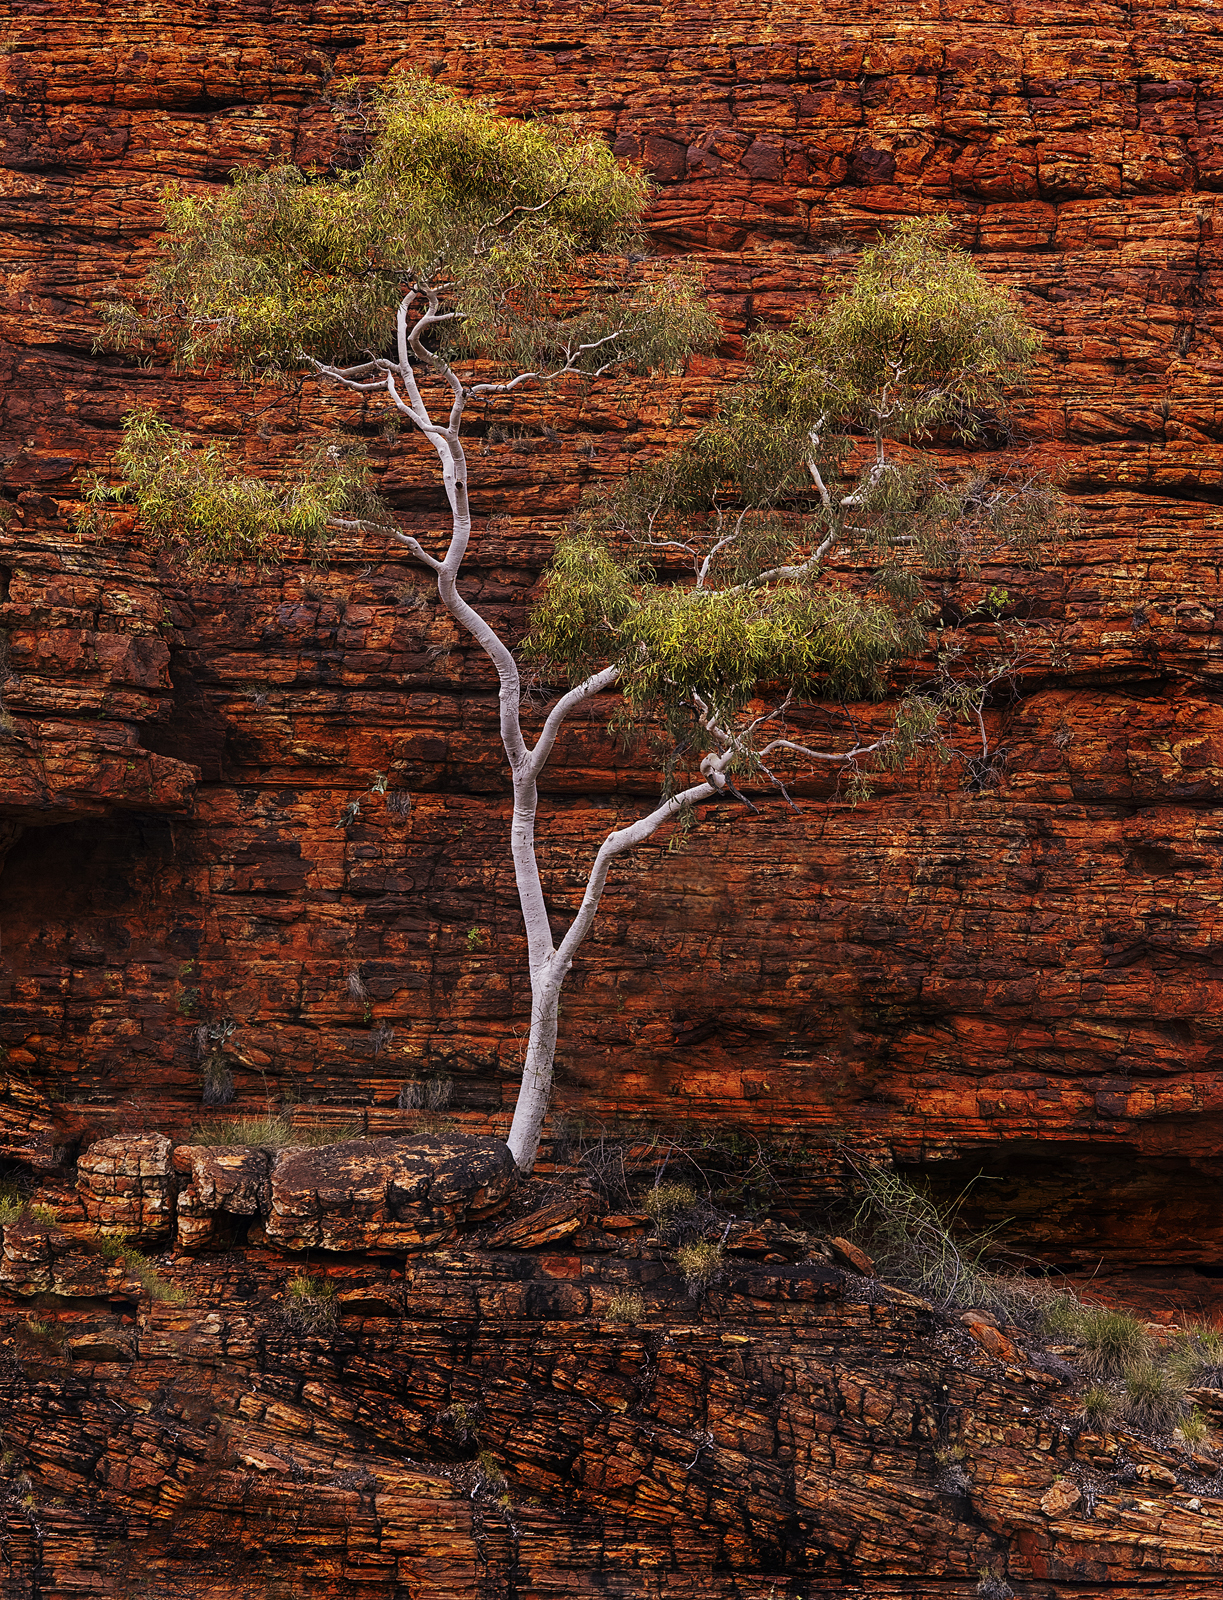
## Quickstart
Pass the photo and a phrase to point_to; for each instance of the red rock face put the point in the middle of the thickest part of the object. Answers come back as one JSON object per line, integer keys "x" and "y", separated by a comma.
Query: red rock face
{"x": 1021, "y": 981}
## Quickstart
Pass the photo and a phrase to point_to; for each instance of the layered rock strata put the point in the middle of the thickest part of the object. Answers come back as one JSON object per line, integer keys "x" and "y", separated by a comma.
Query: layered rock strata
{"x": 521, "y": 1413}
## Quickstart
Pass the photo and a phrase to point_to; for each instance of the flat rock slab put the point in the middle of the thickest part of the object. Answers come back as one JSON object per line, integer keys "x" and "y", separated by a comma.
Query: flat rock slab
{"x": 386, "y": 1194}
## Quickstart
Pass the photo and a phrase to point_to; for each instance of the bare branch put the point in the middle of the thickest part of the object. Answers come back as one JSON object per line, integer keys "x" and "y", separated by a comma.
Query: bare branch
{"x": 824, "y": 755}
{"x": 576, "y": 696}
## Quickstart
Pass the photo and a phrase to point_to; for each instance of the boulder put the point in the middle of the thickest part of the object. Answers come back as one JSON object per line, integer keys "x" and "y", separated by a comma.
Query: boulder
{"x": 1061, "y": 1496}
{"x": 386, "y": 1194}
{"x": 128, "y": 1186}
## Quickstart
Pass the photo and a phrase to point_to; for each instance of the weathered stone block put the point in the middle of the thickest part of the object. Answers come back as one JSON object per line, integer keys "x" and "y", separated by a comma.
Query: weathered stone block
{"x": 386, "y": 1194}
{"x": 128, "y": 1185}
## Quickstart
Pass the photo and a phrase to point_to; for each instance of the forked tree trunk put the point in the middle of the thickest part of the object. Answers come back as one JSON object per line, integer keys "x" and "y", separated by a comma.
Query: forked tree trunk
{"x": 549, "y": 962}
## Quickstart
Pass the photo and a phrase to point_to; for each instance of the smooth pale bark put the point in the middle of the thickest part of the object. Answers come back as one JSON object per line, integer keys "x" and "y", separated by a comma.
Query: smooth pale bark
{"x": 548, "y": 962}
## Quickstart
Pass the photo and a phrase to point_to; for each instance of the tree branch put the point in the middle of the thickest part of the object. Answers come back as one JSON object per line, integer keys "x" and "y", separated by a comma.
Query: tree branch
{"x": 576, "y": 696}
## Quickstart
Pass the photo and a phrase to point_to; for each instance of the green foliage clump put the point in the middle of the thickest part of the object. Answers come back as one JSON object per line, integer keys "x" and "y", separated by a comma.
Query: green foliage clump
{"x": 285, "y": 267}
{"x": 310, "y": 1304}
{"x": 11, "y": 1205}
{"x": 191, "y": 497}
{"x": 706, "y": 577}
{"x": 920, "y": 341}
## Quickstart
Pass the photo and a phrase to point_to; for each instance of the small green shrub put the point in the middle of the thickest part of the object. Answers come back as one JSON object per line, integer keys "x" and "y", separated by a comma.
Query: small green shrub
{"x": 1154, "y": 1398}
{"x": 625, "y": 1306}
{"x": 669, "y": 1200}
{"x": 310, "y": 1304}
{"x": 1099, "y": 1406}
{"x": 47, "y": 1215}
{"x": 10, "y": 1207}
{"x": 1195, "y": 1429}
{"x": 111, "y": 1246}
{"x": 700, "y": 1264}
{"x": 269, "y": 1132}
{"x": 39, "y": 1328}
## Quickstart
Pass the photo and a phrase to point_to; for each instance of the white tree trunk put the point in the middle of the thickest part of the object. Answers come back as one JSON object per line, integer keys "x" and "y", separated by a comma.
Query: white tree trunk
{"x": 536, "y": 1090}
{"x": 549, "y": 965}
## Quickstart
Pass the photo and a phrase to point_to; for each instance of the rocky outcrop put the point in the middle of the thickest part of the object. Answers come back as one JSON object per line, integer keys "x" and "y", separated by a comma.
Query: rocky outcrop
{"x": 372, "y": 1195}
{"x": 378, "y": 1195}
{"x": 128, "y": 1188}
{"x": 206, "y": 884}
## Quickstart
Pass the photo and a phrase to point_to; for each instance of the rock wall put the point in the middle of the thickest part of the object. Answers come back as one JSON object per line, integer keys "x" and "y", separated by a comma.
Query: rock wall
{"x": 1022, "y": 980}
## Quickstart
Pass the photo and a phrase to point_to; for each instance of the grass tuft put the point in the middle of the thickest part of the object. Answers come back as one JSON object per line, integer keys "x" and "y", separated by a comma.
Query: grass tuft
{"x": 700, "y": 1264}
{"x": 1099, "y": 1406}
{"x": 310, "y": 1305}
{"x": 1112, "y": 1342}
{"x": 669, "y": 1200}
{"x": 625, "y": 1306}
{"x": 1195, "y": 1430}
{"x": 155, "y": 1285}
{"x": 1154, "y": 1398}
{"x": 271, "y": 1133}
{"x": 1198, "y": 1358}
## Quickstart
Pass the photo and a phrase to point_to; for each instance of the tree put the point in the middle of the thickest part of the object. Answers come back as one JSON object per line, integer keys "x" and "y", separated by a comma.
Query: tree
{"x": 465, "y": 257}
